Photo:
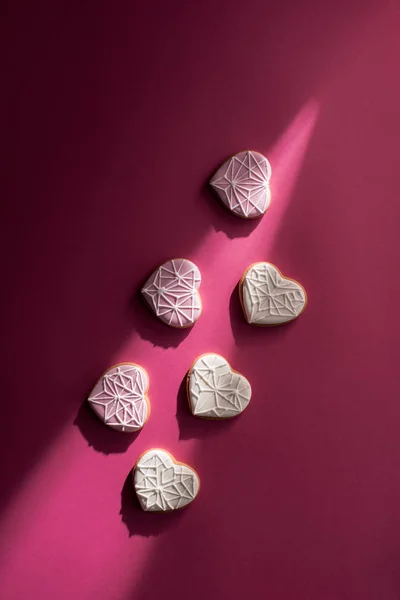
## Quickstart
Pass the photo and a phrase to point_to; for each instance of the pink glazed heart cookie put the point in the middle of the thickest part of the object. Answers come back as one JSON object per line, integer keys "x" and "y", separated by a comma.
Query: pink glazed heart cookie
{"x": 162, "y": 484}
{"x": 242, "y": 184}
{"x": 120, "y": 398}
{"x": 172, "y": 293}
{"x": 269, "y": 298}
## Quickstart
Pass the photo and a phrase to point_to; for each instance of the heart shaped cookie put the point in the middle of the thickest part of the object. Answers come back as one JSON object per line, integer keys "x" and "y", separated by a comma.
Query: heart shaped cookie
{"x": 162, "y": 484}
{"x": 242, "y": 184}
{"x": 120, "y": 399}
{"x": 172, "y": 293}
{"x": 215, "y": 390}
{"x": 269, "y": 298}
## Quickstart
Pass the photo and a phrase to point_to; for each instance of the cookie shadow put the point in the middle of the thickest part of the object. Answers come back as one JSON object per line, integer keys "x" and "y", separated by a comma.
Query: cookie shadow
{"x": 223, "y": 219}
{"x": 194, "y": 427}
{"x": 245, "y": 333}
{"x": 150, "y": 328}
{"x": 142, "y": 523}
{"x": 100, "y": 437}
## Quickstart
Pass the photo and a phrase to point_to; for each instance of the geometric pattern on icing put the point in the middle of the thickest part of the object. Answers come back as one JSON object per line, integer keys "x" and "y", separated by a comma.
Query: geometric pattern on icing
{"x": 161, "y": 484}
{"x": 242, "y": 183}
{"x": 119, "y": 398}
{"x": 171, "y": 292}
{"x": 214, "y": 390}
{"x": 269, "y": 298}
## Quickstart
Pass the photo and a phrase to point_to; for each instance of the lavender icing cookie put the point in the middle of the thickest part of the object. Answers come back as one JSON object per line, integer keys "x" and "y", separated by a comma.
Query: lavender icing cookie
{"x": 172, "y": 293}
{"x": 242, "y": 184}
{"x": 120, "y": 398}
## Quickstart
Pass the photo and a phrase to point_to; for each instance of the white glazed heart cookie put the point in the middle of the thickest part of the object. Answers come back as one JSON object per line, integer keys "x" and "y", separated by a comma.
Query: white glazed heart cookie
{"x": 269, "y": 298}
{"x": 120, "y": 398}
{"x": 162, "y": 484}
{"x": 242, "y": 184}
{"x": 215, "y": 390}
{"x": 172, "y": 293}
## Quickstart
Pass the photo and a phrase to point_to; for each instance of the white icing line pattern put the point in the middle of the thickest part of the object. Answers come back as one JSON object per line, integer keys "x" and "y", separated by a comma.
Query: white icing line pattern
{"x": 214, "y": 390}
{"x": 171, "y": 292}
{"x": 242, "y": 183}
{"x": 161, "y": 484}
{"x": 119, "y": 398}
{"x": 269, "y": 298}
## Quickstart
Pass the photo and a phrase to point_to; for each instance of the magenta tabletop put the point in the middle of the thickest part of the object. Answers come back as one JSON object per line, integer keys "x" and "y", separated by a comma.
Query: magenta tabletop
{"x": 116, "y": 116}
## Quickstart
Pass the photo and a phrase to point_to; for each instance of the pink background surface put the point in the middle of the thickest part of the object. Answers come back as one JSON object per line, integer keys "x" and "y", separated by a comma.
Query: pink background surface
{"x": 116, "y": 114}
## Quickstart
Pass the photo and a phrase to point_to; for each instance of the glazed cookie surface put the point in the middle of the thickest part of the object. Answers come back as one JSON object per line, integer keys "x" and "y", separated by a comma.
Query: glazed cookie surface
{"x": 172, "y": 293}
{"x": 120, "y": 399}
{"x": 215, "y": 390}
{"x": 163, "y": 484}
{"x": 269, "y": 298}
{"x": 242, "y": 184}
